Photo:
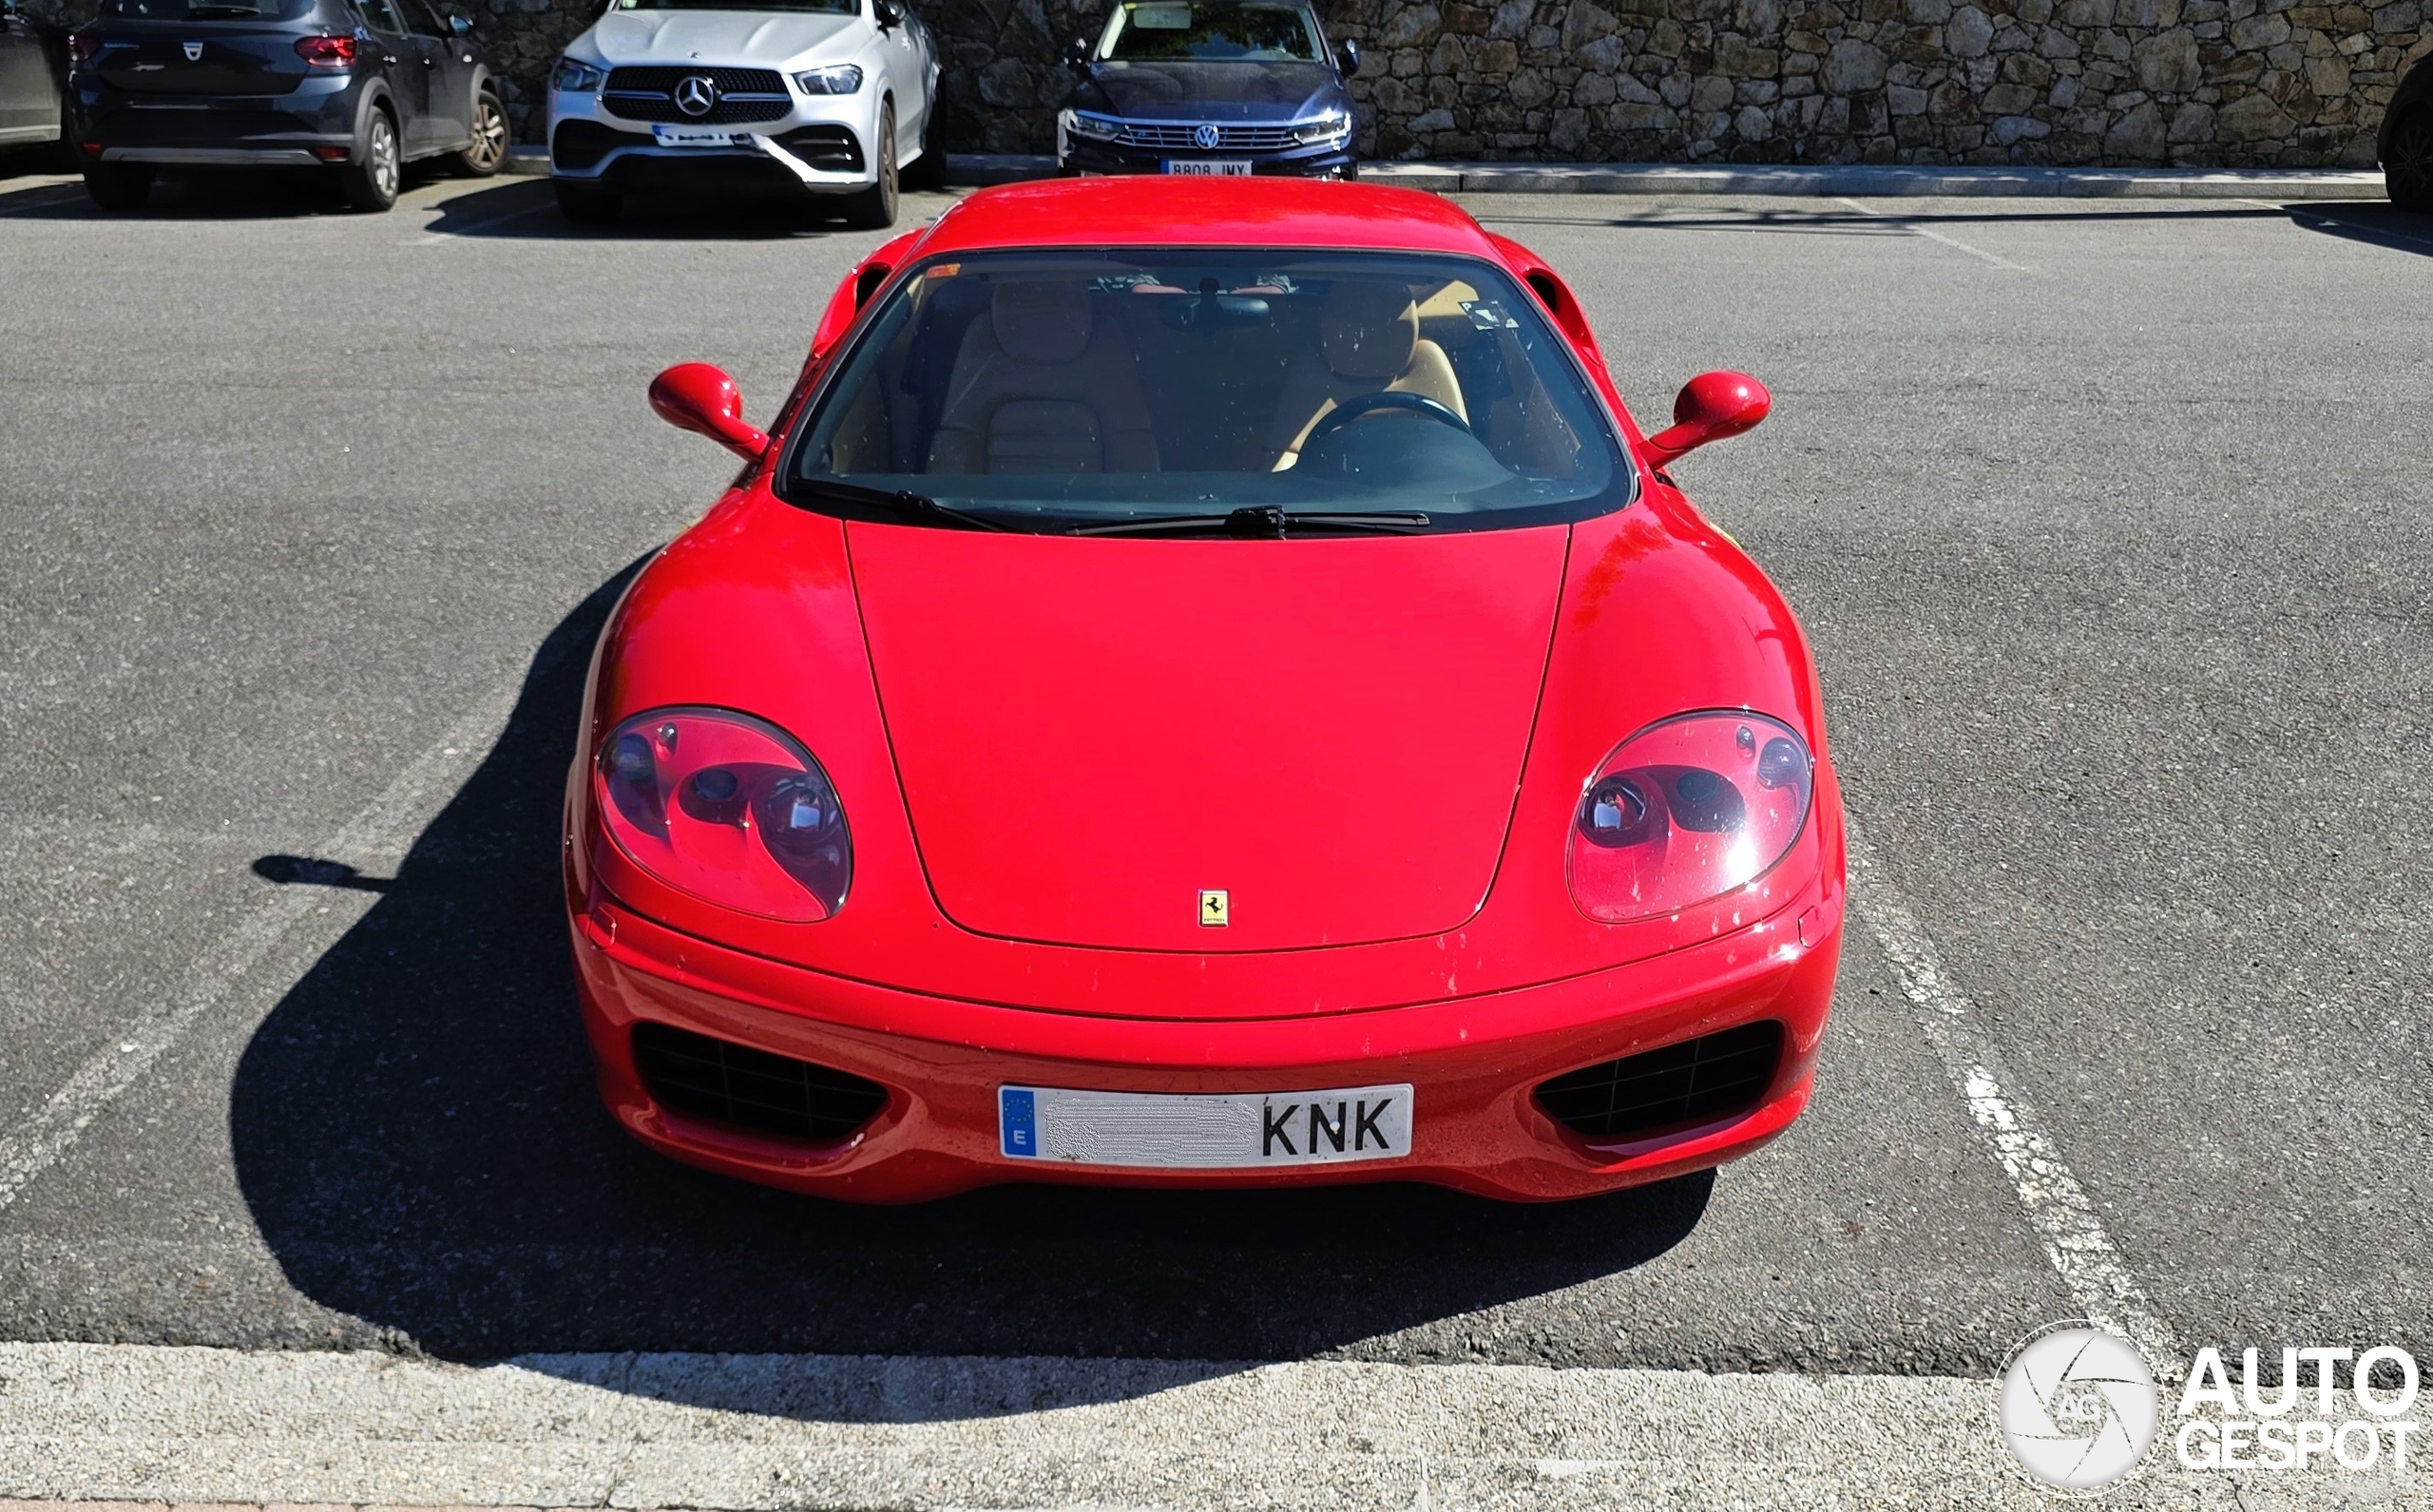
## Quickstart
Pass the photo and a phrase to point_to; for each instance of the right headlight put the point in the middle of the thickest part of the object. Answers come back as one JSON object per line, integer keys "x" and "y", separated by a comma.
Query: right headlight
{"x": 1093, "y": 125}
{"x": 574, "y": 76}
{"x": 1329, "y": 128}
{"x": 837, "y": 78}
{"x": 727, "y": 808}
{"x": 1688, "y": 809}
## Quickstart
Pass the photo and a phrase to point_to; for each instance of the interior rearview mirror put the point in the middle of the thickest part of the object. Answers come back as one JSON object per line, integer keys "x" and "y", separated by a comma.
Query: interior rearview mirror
{"x": 1710, "y": 406}
{"x": 696, "y": 396}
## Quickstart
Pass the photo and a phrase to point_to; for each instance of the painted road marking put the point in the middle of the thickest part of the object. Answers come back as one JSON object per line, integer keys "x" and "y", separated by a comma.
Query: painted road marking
{"x": 1915, "y": 229}
{"x": 2058, "y": 1207}
{"x": 375, "y": 839}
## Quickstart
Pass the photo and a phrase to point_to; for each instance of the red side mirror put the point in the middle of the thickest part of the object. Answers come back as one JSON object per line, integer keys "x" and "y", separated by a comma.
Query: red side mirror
{"x": 696, "y": 396}
{"x": 1710, "y": 407}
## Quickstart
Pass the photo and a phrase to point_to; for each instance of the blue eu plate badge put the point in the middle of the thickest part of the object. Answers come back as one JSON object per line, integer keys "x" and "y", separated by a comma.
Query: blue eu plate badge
{"x": 1018, "y": 1121}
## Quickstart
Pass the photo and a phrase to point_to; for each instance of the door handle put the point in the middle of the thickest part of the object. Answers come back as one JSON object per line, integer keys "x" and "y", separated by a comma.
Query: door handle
{"x": 429, "y": 62}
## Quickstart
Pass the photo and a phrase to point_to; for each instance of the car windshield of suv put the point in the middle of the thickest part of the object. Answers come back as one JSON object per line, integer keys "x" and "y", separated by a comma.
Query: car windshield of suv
{"x": 817, "y": 8}
{"x": 207, "y": 10}
{"x": 1221, "y": 32}
{"x": 1103, "y": 390}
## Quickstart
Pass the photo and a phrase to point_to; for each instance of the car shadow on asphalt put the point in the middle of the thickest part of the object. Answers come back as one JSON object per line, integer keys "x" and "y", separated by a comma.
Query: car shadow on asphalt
{"x": 418, "y": 1138}
{"x": 2375, "y": 222}
{"x": 525, "y": 208}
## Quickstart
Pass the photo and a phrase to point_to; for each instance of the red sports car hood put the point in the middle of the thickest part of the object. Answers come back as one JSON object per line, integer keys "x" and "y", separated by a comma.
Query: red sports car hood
{"x": 1093, "y": 734}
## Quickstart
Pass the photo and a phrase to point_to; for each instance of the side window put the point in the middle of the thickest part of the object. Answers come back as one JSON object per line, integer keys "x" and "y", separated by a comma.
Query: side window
{"x": 419, "y": 19}
{"x": 382, "y": 14}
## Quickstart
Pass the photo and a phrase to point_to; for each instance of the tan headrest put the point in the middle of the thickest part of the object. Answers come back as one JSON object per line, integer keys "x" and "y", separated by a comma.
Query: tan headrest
{"x": 1370, "y": 330}
{"x": 1041, "y": 321}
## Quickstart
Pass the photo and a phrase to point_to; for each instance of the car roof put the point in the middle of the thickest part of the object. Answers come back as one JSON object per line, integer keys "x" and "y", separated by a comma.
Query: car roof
{"x": 1151, "y": 210}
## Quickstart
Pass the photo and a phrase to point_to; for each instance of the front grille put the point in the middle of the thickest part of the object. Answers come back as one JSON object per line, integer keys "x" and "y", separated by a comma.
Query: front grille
{"x": 744, "y": 95}
{"x": 1698, "y": 1080}
{"x": 1178, "y": 136}
{"x": 751, "y": 1089}
{"x": 579, "y": 144}
{"x": 833, "y": 149}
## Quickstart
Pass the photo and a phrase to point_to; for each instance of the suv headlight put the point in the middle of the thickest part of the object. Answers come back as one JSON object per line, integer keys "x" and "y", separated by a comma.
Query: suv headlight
{"x": 728, "y": 808}
{"x": 574, "y": 76}
{"x": 1324, "y": 130}
{"x": 1093, "y": 125}
{"x": 837, "y": 78}
{"x": 1688, "y": 809}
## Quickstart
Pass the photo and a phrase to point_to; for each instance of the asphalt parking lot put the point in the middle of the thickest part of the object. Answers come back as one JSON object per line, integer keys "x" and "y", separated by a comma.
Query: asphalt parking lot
{"x": 2112, "y": 523}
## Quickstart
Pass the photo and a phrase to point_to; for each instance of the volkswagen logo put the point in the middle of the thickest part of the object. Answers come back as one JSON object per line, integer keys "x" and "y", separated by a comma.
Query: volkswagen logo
{"x": 1204, "y": 137}
{"x": 696, "y": 95}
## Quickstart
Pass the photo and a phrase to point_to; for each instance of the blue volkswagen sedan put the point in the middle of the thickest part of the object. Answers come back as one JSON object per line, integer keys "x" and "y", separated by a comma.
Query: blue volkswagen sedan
{"x": 1210, "y": 87}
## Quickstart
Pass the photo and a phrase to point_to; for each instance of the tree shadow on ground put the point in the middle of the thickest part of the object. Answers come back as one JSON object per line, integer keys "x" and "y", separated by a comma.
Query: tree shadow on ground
{"x": 418, "y": 1138}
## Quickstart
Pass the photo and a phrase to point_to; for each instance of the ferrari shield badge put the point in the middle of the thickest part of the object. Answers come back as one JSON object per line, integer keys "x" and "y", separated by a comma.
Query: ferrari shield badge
{"x": 1211, "y": 907}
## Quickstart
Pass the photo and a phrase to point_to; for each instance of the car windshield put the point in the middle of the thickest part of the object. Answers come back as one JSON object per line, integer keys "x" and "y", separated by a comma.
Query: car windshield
{"x": 822, "y": 7}
{"x": 207, "y": 10}
{"x": 1221, "y": 32}
{"x": 1056, "y": 390}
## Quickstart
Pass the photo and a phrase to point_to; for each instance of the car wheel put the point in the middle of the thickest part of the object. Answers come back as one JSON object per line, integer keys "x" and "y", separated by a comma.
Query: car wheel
{"x": 487, "y": 152}
{"x": 928, "y": 170}
{"x": 2408, "y": 173}
{"x": 119, "y": 185}
{"x": 874, "y": 209}
{"x": 586, "y": 205}
{"x": 371, "y": 183}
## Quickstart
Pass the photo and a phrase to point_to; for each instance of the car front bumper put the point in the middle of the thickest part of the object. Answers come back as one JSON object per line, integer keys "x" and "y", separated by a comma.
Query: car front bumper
{"x": 112, "y": 126}
{"x": 1078, "y": 154}
{"x": 1474, "y": 1063}
{"x": 823, "y": 145}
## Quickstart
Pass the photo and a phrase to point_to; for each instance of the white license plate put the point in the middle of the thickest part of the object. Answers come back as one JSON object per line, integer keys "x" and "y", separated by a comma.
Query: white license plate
{"x": 1210, "y": 167}
{"x": 700, "y": 137}
{"x": 1234, "y": 1131}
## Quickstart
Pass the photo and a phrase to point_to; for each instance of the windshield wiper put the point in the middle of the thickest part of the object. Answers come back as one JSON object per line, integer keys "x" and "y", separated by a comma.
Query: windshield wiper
{"x": 902, "y": 502}
{"x": 1264, "y": 522}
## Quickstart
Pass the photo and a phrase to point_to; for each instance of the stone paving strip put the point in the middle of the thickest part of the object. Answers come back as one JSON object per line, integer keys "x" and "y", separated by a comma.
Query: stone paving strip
{"x": 181, "y": 1426}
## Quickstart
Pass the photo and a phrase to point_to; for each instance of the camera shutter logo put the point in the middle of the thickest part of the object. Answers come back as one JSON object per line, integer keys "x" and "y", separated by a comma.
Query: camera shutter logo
{"x": 1205, "y": 136}
{"x": 696, "y": 95}
{"x": 2078, "y": 1407}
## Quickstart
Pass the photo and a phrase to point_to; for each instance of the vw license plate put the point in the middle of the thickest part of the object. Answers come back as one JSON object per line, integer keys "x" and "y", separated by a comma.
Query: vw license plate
{"x": 1212, "y": 167}
{"x": 668, "y": 136}
{"x": 1244, "y": 1131}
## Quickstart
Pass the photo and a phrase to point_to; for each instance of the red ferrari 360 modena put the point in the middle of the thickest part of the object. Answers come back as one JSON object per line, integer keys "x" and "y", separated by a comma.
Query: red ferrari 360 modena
{"x": 1204, "y": 684}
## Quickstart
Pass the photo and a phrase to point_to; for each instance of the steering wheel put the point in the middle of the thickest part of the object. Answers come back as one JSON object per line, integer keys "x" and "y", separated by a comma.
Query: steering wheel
{"x": 1383, "y": 399}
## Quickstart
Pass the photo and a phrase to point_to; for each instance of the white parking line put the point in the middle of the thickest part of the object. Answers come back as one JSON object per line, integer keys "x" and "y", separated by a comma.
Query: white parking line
{"x": 1916, "y": 230}
{"x": 2058, "y": 1207}
{"x": 375, "y": 839}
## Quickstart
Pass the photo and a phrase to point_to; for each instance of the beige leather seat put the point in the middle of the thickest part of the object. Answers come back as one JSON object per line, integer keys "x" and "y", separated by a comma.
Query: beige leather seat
{"x": 1367, "y": 341}
{"x": 1038, "y": 389}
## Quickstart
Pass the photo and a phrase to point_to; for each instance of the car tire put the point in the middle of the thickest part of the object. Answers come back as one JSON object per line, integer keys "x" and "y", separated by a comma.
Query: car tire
{"x": 371, "y": 185}
{"x": 119, "y": 185}
{"x": 586, "y": 205}
{"x": 486, "y": 153}
{"x": 2407, "y": 172}
{"x": 874, "y": 209}
{"x": 928, "y": 170}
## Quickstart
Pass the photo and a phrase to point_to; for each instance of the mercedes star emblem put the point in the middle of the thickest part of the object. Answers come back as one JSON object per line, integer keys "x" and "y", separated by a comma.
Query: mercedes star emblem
{"x": 696, "y": 95}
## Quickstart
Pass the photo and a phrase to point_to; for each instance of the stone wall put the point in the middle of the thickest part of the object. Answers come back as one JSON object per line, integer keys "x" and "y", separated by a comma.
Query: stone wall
{"x": 2195, "y": 83}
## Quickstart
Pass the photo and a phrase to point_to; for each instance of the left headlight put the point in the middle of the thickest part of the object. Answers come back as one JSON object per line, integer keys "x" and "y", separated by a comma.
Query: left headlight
{"x": 728, "y": 808}
{"x": 1323, "y": 130}
{"x": 837, "y": 78}
{"x": 1685, "y": 811}
{"x": 1093, "y": 125}
{"x": 575, "y": 76}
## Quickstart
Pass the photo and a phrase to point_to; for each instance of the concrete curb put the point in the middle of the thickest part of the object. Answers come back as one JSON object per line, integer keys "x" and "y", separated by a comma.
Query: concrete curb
{"x": 531, "y": 161}
{"x": 1871, "y": 181}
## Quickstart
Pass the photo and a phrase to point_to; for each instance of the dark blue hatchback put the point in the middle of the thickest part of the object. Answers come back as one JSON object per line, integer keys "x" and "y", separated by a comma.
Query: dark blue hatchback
{"x": 1210, "y": 87}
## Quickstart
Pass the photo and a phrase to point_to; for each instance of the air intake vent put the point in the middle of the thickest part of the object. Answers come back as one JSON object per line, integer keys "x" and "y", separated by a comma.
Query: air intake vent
{"x": 751, "y": 1089}
{"x": 1699, "y": 1080}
